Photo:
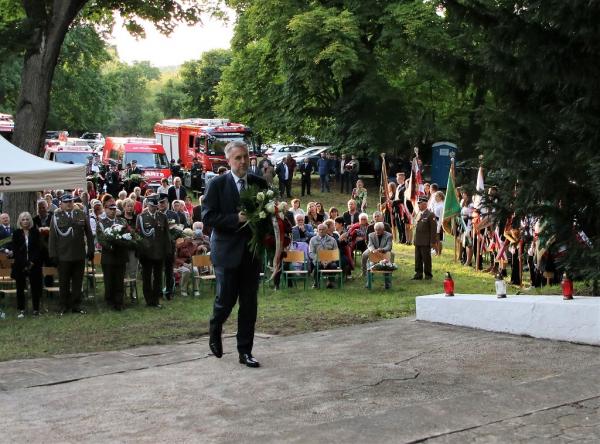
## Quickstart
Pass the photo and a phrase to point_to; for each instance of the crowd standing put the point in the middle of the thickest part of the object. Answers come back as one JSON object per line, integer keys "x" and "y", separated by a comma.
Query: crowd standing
{"x": 66, "y": 233}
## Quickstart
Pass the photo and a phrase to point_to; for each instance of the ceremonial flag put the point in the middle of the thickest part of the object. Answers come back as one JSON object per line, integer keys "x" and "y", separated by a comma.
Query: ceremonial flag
{"x": 451, "y": 204}
{"x": 415, "y": 187}
{"x": 479, "y": 188}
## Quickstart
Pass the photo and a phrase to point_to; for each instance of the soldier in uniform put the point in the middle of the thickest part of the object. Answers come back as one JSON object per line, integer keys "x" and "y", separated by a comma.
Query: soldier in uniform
{"x": 113, "y": 260}
{"x": 425, "y": 238}
{"x": 169, "y": 261}
{"x": 70, "y": 234}
{"x": 156, "y": 243}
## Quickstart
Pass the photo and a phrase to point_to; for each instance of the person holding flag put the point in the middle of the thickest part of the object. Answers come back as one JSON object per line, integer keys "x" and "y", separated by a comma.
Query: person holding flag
{"x": 452, "y": 208}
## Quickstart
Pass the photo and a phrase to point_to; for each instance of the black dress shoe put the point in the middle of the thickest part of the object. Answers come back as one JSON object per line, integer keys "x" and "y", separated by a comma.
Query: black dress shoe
{"x": 216, "y": 343}
{"x": 248, "y": 360}
{"x": 417, "y": 278}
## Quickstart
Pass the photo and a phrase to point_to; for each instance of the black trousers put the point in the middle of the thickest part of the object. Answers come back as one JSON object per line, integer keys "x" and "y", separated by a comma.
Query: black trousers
{"x": 169, "y": 279}
{"x": 152, "y": 270}
{"x": 114, "y": 286}
{"x": 70, "y": 277}
{"x": 345, "y": 182}
{"x": 305, "y": 185}
{"x": 240, "y": 285}
{"x": 423, "y": 261}
{"x": 35, "y": 281}
{"x": 285, "y": 186}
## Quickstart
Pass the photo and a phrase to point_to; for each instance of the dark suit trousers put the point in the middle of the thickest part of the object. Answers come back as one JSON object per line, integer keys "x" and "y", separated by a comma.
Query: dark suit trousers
{"x": 238, "y": 284}
{"x": 152, "y": 270}
{"x": 345, "y": 182}
{"x": 35, "y": 281}
{"x": 305, "y": 184}
{"x": 423, "y": 260}
{"x": 70, "y": 278}
{"x": 169, "y": 279}
{"x": 114, "y": 287}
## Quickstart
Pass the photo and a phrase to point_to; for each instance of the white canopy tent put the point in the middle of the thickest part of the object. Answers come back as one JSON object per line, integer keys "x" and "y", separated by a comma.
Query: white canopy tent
{"x": 21, "y": 171}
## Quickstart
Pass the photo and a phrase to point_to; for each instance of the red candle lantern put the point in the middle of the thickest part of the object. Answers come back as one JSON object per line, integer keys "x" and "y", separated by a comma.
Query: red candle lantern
{"x": 567, "y": 287}
{"x": 448, "y": 285}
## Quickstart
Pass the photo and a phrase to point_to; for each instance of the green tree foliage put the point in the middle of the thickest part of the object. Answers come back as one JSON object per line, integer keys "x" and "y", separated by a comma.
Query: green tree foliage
{"x": 343, "y": 70}
{"x": 199, "y": 79}
{"x": 538, "y": 60}
{"x": 81, "y": 98}
{"x": 133, "y": 113}
{"x": 169, "y": 98}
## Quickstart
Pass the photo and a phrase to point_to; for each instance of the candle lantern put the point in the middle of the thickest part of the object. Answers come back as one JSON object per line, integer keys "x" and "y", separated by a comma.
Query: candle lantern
{"x": 448, "y": 285}
{"x": 500, "y": 287}
{"x": 567, "y": 287}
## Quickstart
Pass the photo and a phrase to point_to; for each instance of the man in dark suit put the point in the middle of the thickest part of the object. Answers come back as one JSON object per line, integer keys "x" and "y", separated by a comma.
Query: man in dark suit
{"x": 169, "y": 259}
{"x": 284, "y": 174}
{"x": 254, "y": 168}
{"x": 306, "y": 169}
{"x": 177, "y": 191}
{"x": 5, "y": 230}
{"x": 237, "y": 270}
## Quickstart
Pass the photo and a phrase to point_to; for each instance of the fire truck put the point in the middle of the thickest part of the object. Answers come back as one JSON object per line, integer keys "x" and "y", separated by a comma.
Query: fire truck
{"x": 205, "y": 139}
{"x": 7, "y": 126}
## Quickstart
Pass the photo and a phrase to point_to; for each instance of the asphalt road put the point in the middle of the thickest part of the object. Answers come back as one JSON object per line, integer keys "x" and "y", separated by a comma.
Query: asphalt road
{"x": 395, "y": 381}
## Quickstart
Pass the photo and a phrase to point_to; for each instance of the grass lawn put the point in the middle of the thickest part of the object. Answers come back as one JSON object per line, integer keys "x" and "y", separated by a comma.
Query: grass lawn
{"x": 286, "y": 311}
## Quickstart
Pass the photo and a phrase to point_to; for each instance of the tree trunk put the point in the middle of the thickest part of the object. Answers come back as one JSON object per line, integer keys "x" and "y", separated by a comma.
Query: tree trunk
{"x": 50, "y": 28}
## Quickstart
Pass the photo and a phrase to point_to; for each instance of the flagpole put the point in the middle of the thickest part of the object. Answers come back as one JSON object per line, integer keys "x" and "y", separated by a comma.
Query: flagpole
{"x": 383, "y": 187}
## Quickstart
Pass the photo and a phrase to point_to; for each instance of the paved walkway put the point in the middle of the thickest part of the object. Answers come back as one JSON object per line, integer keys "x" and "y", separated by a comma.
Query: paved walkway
{"x": 395, "y": 381}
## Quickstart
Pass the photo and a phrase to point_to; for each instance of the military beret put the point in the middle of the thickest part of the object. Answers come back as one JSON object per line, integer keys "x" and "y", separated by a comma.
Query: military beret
{"x": 162, "y": 196}
{"x": 66, "y": 198}
{"x": 423, "y": 199}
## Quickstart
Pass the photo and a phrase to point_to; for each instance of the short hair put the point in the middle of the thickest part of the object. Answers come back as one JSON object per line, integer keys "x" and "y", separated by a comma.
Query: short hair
{"x": 329, "y": 223}
{"x": 379, "y": 226}
{"x": 321, "y": 226}
{"x": 42, "y": 201}
{"x": 363, "y": 216}
{"x": 177, "y": 178}
{"x": 221, "y": 170}
{"x": 339, "y": 220}
{"x": 197, "y": 225}
{"x": 301, "y": 216}
{"x": 351, "y": 201}
{"x": 295, "y": 201}
{"x": 23, "y": 215}
{"x": 377, "y": 213}
{"x": 232, "y": 145}
{"x": 128, "y": 201}
{"x": 435, "y": 186}
{"x": 439, "y": 194}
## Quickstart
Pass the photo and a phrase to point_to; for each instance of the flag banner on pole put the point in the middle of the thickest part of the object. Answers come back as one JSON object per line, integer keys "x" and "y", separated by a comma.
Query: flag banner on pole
{"x": 479, "y": 188}
{"x": 415, "y": 187}
{"x": 451, "y": 203}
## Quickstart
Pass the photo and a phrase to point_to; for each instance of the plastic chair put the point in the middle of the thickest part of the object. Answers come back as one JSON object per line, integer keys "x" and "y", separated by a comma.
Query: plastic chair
{"x": 92, "y": 274}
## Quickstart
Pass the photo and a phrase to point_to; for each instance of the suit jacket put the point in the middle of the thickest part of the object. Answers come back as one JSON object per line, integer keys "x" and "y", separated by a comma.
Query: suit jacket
{"x": 306, "y": 169}
{"x": 23, "y": 253}
{"x": 4, "y": 233}
{"x": 304, "y": 237}
{"x": 197, "y": 214}
{"x": 115, "y": 254}
{"x": 384, "y": 244}
{"x": 220, "y": 208}
{"x": 255, "y": 170}
{"x": 173, "y": 194}
{"x": 280, "y": 171}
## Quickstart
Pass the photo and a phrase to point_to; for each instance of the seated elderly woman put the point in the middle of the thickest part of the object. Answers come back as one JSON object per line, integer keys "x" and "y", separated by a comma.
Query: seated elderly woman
{"x": 194, "y": 242}
{"x": 358, "y": 232}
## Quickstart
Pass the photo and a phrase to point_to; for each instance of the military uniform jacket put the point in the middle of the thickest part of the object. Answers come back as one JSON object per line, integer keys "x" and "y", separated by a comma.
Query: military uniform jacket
{"x": 154, "y": 230}
{"x": 69, "y": 236}
{"x": 114, "y": 254}
{"x": 426, "y": 230}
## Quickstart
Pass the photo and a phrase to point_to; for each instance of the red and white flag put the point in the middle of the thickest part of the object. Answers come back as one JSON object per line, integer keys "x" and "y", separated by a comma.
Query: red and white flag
{"x": 415, "y": 187}
{"x": 479, "y": 188}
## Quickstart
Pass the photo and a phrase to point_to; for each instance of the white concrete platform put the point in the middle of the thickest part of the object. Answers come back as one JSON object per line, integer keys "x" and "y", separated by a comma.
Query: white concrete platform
{"x": 546, "y": 317}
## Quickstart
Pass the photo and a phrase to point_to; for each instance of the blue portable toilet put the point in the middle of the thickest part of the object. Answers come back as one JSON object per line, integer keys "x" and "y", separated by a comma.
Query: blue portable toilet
{"x": 440, "y": 162}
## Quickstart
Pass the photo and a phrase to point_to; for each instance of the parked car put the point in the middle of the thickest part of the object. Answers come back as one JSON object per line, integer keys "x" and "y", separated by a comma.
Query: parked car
{"x": 312, "y": 154}
{"x": 278, "y": 152}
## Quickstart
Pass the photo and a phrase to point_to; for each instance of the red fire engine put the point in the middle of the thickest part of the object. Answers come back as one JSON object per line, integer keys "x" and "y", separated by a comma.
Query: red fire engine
{"x": 205, "y": 139}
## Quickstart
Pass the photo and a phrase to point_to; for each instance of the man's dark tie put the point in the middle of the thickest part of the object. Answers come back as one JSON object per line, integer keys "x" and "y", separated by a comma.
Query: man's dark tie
{"x": 242, "y": 184}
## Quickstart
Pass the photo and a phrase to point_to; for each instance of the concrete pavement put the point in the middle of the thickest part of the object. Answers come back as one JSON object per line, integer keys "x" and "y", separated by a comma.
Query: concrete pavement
{"x": 388, "y": 382}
